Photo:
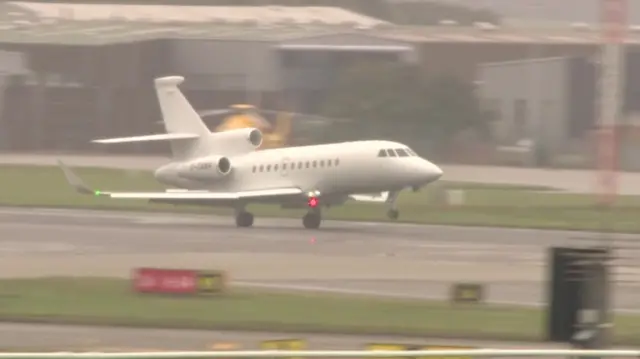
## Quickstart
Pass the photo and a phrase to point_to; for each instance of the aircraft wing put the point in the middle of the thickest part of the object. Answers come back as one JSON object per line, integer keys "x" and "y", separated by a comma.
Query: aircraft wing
{"x": 376, "y": 197}
{"x": 201, "y": 197}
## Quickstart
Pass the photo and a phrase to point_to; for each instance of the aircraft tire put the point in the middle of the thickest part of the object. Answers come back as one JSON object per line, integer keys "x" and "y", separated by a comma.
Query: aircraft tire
{"x": 393, "y": 214}
{"x": 311, "y": 221}
{"x": 244, "y": 219}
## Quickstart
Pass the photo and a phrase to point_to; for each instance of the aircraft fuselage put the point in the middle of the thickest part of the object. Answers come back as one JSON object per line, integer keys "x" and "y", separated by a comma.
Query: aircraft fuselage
{"x": 342, "y": 168}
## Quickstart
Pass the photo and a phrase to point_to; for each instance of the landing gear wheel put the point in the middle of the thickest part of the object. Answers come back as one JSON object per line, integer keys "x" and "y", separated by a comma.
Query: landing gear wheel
{"x": 244, "y": 219}
{"x": 311, "y": 221}
{"x": 393, "y": 214}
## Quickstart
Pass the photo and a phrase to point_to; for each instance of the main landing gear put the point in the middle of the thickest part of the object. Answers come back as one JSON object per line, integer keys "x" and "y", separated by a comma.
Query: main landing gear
{"x": 312, "y": 220}
{"x": 393, "y": 212}
{"x": 244, "y": 219}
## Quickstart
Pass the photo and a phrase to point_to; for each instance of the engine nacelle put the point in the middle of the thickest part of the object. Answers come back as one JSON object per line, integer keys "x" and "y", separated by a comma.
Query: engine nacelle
{"x": 229, "y": 139}
{"x": 213, "y": 167}
{"x": 255, "y": 137}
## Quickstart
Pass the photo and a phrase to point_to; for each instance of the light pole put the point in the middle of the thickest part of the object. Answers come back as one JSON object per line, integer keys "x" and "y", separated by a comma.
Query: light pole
{"x": 536, "y": 126}
{"x": 614, "y": 28}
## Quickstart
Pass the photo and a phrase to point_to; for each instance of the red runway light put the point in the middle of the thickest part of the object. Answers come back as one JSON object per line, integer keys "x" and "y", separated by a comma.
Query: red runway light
{"x": 313, "y": 202}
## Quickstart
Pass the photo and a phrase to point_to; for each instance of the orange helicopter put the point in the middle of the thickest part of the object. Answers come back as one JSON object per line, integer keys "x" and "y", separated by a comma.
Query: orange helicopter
{"x": 244, "y": 115}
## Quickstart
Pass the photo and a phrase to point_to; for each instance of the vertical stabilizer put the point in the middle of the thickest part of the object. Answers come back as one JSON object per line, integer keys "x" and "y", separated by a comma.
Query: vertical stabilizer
{"x": 180, "y": 117}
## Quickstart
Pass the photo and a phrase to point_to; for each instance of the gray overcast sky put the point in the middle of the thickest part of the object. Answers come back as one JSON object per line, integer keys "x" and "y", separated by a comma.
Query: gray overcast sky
{"x": 549, "y": 10}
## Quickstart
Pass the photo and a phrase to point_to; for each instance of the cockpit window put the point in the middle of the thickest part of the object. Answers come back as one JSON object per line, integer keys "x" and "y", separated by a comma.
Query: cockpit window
{"x": 401, "y": 152}
{"x": 410, "y": 152}
{"x": 391, "y": 153}
{"x": 382, "y": 153}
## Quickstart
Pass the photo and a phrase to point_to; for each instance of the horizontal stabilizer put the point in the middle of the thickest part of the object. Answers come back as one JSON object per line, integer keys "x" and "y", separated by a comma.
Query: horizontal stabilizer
{"x": 146, "y": 138}
{"x": 377, "y": 197}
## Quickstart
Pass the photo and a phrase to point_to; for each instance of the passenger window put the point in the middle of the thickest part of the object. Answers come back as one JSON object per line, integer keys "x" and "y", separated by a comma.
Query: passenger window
{"x": 402, "y": 153}
{"x": 337, "y": 161}
{"x": 275, "y": 167}
{"x": 328, "y": 163}
{"x": 261, "y": 168}
{"x": 268, "y": 168}
{"x": 315, "y": 164}
{"x": 254, "y": 169}
{"x": 382, "y": 153}
{"x": 299, "y": 165}
{"x": 321, "y": 163}
{"x": 391, "y": 153}
{"x": 307, "y": 164}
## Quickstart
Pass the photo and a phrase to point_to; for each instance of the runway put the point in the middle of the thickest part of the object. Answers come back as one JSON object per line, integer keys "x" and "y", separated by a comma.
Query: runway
{"x": 366, "y": 258}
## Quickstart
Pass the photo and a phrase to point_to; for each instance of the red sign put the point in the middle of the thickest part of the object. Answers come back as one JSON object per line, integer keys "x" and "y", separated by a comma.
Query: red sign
{"x": 174, "y": 281}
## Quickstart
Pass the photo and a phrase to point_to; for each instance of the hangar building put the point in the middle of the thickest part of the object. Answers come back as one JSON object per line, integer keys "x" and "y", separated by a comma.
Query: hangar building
{"x": 555, "y": 102}
{"x": 91, "y": 71}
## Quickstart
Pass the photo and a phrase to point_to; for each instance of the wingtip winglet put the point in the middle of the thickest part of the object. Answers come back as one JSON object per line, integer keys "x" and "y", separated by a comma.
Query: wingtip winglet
{"x": 74, "y": 180}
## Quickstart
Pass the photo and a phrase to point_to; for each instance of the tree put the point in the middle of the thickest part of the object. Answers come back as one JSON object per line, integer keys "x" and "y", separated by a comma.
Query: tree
{"x": 393, "y": 101}
{"x": 452, "y": 107}
{"x": 377, "y": 96}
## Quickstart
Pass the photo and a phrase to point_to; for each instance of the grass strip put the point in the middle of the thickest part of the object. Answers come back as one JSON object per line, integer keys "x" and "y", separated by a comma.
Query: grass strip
{"x": 485, "y": 204}
{"x": 102, "y": 301}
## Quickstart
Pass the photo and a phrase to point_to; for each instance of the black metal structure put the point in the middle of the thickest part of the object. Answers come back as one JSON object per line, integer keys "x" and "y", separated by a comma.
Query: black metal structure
{"x": 577, "y": 295}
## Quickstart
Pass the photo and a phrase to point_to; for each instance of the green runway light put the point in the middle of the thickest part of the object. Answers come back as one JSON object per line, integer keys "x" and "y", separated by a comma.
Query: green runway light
{"x": 97, "y": 193}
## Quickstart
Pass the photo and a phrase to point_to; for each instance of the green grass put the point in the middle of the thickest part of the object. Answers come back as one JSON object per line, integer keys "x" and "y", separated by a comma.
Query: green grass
{"x": 486, "y": 205}
{"x": 113, "y": 302}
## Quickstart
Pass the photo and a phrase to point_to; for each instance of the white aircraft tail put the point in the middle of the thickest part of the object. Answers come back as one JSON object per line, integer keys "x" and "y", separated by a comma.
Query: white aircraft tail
{"x": 187, "y": 133}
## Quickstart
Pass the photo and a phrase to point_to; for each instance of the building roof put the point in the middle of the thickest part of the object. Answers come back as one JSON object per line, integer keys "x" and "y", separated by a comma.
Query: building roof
{"x": 548, "y": 10}
{"x": 568, "y": 34}
{"x": 20, "y": 23}
{"x": 164, "y": 14}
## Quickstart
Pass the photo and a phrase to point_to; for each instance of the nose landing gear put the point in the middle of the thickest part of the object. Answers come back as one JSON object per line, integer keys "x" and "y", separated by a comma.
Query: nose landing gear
{"x": 393, "y": 212}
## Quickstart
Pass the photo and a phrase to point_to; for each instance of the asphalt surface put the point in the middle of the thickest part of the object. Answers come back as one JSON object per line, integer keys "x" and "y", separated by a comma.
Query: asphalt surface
{"x": 365, "y": 258}
{"x": 381, "y": 259}
{"x": 19, "y": 337}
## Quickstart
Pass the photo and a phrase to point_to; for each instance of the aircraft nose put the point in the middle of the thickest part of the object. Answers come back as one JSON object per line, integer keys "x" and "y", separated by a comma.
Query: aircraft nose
{"x": 437, "y": 172}
{"x": 431, "y": 171}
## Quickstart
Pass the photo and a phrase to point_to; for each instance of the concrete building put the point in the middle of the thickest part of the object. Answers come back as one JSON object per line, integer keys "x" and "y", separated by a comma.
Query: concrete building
{"x": 555, "y": 103}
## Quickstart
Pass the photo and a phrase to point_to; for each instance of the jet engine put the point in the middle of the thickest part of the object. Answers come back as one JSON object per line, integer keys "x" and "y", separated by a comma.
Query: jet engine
{"x": 208, "y": 168}
{"x": 229, "y": 139}
{"x": 255, "y": 137}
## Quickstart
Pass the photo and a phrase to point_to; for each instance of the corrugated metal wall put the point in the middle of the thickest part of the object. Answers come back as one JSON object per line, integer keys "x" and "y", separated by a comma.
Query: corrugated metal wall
{"x": 510, "y": 87}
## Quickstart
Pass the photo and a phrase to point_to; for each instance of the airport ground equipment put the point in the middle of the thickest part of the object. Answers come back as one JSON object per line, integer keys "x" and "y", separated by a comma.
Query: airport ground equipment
{"x": 578, "y": 293}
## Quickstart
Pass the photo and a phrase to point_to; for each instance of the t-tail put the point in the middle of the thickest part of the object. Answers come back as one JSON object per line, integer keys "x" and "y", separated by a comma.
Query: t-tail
{"x": 187, "y": 134}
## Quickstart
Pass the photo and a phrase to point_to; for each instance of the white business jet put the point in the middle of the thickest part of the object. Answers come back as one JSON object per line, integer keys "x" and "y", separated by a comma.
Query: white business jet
{"x": 224, "y": 168}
